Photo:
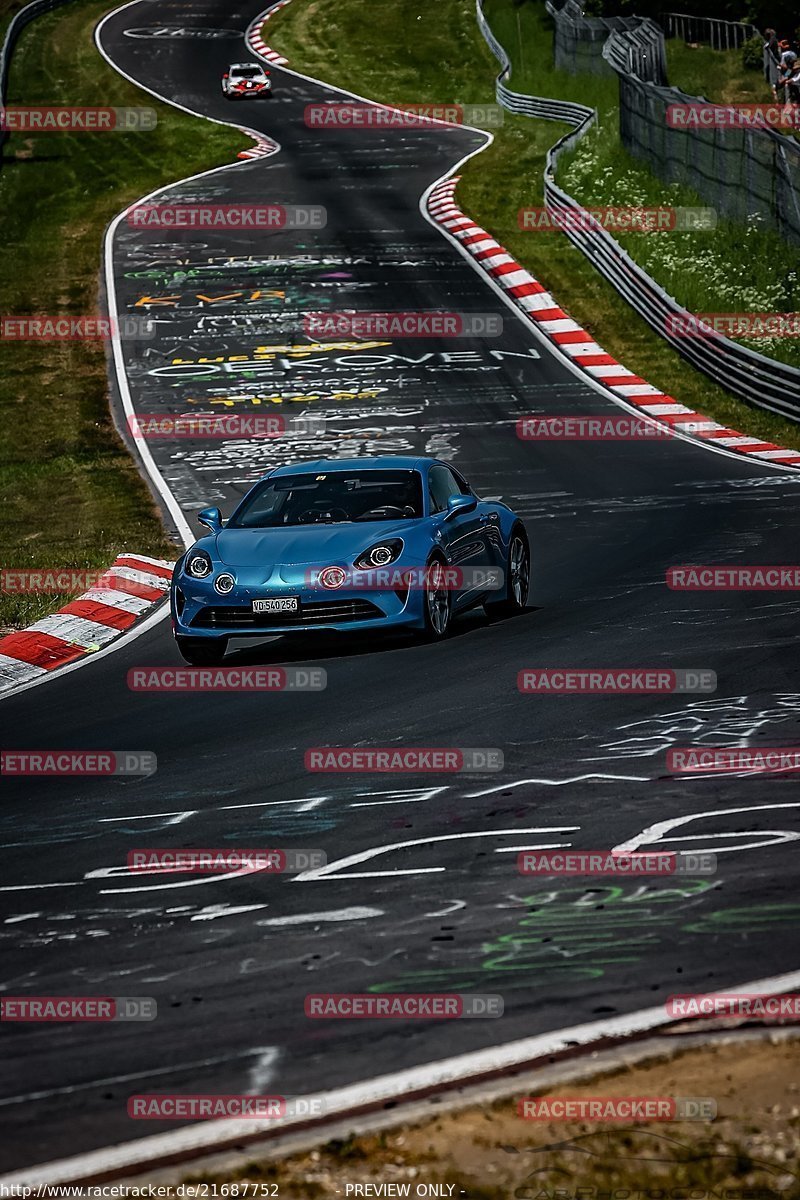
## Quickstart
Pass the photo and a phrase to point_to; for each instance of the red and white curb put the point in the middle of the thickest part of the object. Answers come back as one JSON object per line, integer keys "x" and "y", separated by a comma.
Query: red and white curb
{"x": 256, "y": 42}
{"x": 263, "y": 148}
{"x": 130, "y": 589}
{"x": 570, "y": 339}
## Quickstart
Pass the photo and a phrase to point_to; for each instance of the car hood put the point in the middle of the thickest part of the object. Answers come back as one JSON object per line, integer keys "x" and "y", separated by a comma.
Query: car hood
{"x": 303, "y": 544}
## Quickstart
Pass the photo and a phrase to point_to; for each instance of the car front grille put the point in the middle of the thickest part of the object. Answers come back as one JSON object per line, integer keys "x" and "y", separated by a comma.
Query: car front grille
{"x": 318, "y": 612}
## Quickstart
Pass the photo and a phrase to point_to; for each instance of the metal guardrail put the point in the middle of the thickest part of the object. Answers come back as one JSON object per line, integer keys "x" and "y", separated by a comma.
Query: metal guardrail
{"x": 15, "y": 28}
{"x": 519, "y": 102}
{"x": 720, "y": 35}
{"x": 579, "y": 40}
{"x": 760, "y": 381}
{"x": 639, "y": 51}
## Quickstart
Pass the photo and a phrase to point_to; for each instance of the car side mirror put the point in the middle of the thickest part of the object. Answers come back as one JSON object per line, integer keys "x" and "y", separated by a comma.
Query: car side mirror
{"x": 211, "y": 518}
{"x": 460, "y": 504}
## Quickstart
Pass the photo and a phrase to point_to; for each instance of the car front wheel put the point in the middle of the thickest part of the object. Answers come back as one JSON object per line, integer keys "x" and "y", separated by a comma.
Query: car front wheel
{"x": 514, "y": 598}
{"x": 437, "y": 601}
{"x": 202, "y": 652}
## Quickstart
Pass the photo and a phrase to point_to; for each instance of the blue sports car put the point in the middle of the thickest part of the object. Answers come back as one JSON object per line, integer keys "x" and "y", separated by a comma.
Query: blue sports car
{"x": 348, "y": 545}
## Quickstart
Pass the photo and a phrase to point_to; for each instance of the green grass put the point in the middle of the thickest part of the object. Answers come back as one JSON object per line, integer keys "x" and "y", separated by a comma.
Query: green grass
{"x": 716, "y": 74}
{"x": 73, "y": 496}
{"x": 410, "y": 51}
{"x": 8, "y": 10}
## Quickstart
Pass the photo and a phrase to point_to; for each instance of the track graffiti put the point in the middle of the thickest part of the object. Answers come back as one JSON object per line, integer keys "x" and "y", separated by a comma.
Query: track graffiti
{"x": 573, "y": 934}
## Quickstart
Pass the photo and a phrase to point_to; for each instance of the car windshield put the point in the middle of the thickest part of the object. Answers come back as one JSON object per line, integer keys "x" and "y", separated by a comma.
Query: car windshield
{"x": 245, "y": 72}
{"x": 329, "y": 498}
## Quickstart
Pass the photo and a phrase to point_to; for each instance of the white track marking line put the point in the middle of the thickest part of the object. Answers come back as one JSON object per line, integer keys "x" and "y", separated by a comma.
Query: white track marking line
{"x": 333, "y": 868}
{"x": 143, "y": 449}
{"x": 206, "y": 1136}
{"x": 337, "y": 914}
{"x": 218, "y": 1060}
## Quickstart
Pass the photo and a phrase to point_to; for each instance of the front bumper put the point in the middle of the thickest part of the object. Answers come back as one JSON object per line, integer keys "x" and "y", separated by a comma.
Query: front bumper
{"x": 248, "y": 93}
{"x": 198, "y": 610}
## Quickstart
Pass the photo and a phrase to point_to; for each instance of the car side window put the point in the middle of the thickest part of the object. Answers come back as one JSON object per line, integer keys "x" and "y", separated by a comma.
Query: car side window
{"x": 442, "y": 484}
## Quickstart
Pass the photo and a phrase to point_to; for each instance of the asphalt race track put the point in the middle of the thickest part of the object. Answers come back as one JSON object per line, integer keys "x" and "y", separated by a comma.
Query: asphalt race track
{"x": 230, "y": 960}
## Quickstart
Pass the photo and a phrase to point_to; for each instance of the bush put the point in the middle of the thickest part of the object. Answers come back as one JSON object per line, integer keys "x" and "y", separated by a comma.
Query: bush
{"x": 753, "y": 54}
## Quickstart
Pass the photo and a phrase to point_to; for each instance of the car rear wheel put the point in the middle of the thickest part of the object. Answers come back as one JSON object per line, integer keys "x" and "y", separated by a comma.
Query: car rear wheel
{"x": 202, "y": 652}
{"x": 518, "y": 576}
{"x": 437, "y": 601}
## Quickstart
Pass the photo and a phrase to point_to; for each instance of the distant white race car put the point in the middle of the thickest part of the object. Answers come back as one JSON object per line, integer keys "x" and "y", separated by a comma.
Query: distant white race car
{"x": 246, "y": 79}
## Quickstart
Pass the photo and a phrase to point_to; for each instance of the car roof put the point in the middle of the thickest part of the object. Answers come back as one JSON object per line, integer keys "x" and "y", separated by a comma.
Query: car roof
{"x": 385, "y": 462}
{"x": 250, "y": 66}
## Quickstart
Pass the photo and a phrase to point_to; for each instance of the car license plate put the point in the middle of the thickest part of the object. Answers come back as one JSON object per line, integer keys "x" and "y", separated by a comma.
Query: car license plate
{"x": 278, "y": 604}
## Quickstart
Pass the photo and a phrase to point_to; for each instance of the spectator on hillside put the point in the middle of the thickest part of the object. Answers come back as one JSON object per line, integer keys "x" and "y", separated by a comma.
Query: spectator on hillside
{"x": 772, "y": 60}
{"x": 786, "y": 68}
{"x": 793, "y": 84}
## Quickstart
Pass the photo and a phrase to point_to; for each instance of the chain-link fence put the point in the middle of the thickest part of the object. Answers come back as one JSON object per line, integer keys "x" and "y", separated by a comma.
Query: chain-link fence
{"x": 638, "y": 51}
{"x": 579, "y": 40}
{"x": 15, "y": 28}
{"x": 743, "y": 171}
{"x": 761, "y": 381}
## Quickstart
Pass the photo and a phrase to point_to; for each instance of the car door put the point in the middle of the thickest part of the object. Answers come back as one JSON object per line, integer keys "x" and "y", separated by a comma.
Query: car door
{"x": 462, "y": 536}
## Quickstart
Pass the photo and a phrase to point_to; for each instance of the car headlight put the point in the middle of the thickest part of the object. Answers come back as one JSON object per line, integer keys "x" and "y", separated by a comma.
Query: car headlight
{"x": 380, "y": 555}
{"x": 198, "y": 564}
{"x": 224, "y": 583}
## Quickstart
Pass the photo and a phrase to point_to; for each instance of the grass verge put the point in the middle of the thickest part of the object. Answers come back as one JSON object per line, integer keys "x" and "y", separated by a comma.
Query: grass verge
{"x": 716, "y": 74}
{"x": 73, "y": 495}
{"x": 412, "y": 52}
